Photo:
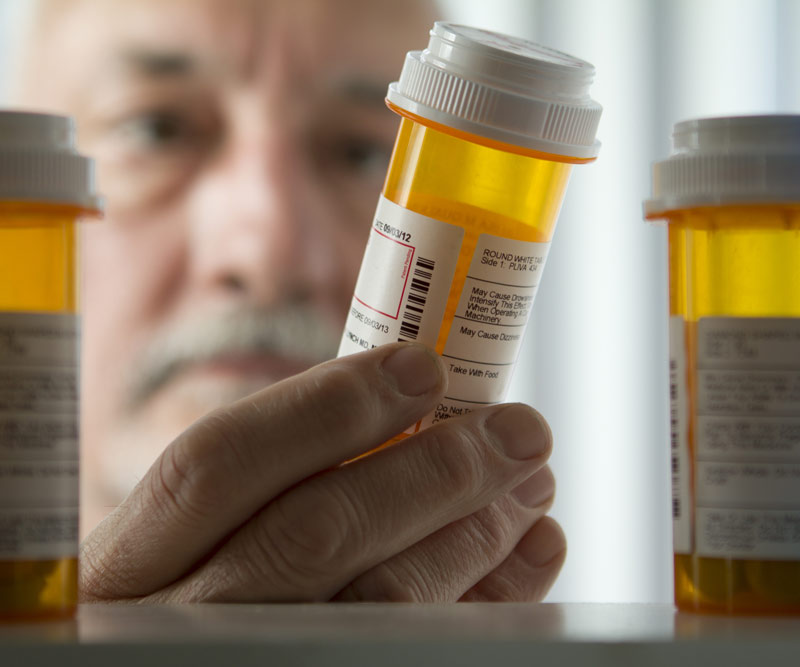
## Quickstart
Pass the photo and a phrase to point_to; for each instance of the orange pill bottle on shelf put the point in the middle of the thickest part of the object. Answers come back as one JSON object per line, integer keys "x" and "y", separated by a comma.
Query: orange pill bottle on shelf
{"x": 490, "y": 128}
{"x": 45, "y": 188}
{"x": 730, "y": 194}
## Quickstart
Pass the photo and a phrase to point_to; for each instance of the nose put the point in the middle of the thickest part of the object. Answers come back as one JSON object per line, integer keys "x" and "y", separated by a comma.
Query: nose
{"x": 259, "y": 230}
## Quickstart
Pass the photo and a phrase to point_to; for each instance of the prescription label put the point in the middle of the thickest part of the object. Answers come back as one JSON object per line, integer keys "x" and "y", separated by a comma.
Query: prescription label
{"x": 747, "y": 429}
{"x": 404, "y": 282}
{"x": 489, "y": 323}
{"x": 679, "y": 438}
{"x": 38, "y": 435}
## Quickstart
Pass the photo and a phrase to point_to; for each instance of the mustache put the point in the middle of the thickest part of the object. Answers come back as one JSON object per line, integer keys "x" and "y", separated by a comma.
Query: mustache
{"x": 294, "y": 331}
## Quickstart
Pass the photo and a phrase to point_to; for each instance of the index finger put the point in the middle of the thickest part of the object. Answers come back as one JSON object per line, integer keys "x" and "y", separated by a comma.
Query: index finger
{"x": 228, "y": 465}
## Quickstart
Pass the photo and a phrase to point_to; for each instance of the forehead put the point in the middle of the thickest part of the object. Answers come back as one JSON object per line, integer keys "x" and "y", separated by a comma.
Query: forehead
{"x": 232, "y": 38}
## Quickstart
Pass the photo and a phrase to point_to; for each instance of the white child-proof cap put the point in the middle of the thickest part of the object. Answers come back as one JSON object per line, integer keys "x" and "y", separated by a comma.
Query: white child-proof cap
{"x": 502, "y": 88}
{"x": 39, "y": 162}
{"x": 728, "y": 161}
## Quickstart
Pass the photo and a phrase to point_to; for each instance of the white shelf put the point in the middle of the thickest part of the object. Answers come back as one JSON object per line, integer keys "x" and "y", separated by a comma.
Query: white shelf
{"x": 391, "y": 634}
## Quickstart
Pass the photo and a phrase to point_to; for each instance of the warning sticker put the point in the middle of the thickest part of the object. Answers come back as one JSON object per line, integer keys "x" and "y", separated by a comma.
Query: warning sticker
{"x": 38, "y": 435}
{"x": 748, "y": 438}
{"x": 489, "y": 323}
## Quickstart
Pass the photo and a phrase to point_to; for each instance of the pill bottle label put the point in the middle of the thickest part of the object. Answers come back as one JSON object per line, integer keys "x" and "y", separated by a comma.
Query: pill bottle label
{"x": 679, "y": 438}
{"x": 748, "y": 438}
{"x": 403, "y": 290}
{"x": 38, "y": 435}
{"x": 489, "y": 323}
{"x": 405, "y": 278}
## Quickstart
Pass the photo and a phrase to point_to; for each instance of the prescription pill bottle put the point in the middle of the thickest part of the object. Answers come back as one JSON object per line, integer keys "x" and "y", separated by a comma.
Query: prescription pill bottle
{"x": 730, "y": 195}
{"x": 45, "y": 187}
{"x": 490, "y": 128}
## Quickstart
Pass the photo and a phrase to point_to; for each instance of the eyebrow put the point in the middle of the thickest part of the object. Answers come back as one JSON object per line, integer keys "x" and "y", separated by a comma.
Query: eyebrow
{"x": 156, "y": 64}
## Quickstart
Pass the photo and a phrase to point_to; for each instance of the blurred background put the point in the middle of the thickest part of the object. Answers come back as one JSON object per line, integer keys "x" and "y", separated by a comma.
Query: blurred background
{"x": 595, "y": 356}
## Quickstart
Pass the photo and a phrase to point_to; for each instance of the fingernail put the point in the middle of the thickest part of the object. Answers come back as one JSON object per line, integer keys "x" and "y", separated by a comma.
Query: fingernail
{"x": 537, "y": 489}
{"x": 414, "y": 368}
{"x": 520, "y": 432}
{"x": 543, "y": 543}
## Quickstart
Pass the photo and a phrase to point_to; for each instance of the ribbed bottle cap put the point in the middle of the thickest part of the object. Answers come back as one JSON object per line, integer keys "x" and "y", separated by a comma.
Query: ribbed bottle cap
{"x": 502, "y": 88}
{"x": 38, "y": 161}
{"x": 729, "y": 160}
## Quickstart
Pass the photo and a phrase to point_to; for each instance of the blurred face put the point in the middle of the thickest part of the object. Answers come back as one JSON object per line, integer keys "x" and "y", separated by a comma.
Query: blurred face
{"x": 240, "y": 147}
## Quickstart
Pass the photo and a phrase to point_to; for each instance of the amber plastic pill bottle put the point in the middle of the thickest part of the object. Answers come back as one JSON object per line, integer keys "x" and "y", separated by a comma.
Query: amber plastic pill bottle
{"x": 490, "y": 127}
{"x": 46, "y": 187}
{"x": 730, "y": 195}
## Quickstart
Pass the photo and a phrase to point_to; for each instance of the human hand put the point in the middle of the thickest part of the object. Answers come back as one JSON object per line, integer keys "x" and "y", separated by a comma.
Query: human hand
{"x": 252, "y": 503}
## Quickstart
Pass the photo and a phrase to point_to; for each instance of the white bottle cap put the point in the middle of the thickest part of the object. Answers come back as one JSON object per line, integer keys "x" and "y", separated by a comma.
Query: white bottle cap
{"x": 502, "y": 88}
{"x": 39, "y": 163}
{"x": 728, "y": 161}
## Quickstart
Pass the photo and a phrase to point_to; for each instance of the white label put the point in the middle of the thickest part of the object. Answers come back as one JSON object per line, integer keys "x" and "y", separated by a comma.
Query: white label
{"x": 748, "y": 438}
{"x": 748, "y": 534}
{"x": 39, "y": 534}
{"x": 489, "y": 323}
{"x": 679, "y": 438}
{"x": 402, "y": 292}
{"x": 405, "y": 278}
{"x": 38, "y": 435}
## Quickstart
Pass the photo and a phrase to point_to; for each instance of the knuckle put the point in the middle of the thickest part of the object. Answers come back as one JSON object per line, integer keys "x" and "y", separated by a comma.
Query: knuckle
{"x": 309, "y": 543}
{"x": 237, "y": 575}
{"x": 342, "y": 401}
{"x": 197, "y": 472}
{"x": 496, "y": 528}
{"x": 225, "y": 441}
{"x": 457, "y": 458}
{"x": 500, "y": 588}
{"x": 171, "y": 488}
{"x": 393, "y": 583}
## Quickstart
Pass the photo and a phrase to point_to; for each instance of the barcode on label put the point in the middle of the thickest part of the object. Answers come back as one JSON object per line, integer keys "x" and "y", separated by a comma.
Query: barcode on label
{"x": 675, "y": 462}
{"x": 417, "y": 296}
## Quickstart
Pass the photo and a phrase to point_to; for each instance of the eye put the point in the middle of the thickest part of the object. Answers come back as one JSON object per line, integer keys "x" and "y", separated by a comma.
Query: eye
{"x": 362, "y": 155}
{"x": 158, "y": 130}
{"x": 365, "y": 154}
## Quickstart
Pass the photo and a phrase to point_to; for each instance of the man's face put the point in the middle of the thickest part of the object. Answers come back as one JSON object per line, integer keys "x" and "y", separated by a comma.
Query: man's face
{"x": 240, "y": 147}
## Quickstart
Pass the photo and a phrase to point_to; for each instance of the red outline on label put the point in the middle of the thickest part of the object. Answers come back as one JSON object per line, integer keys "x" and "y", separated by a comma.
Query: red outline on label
{"x": 408, "y": 273}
